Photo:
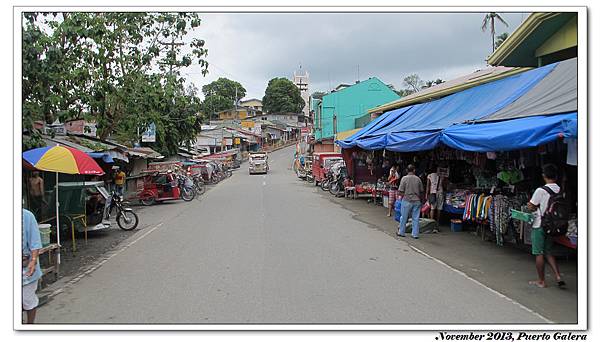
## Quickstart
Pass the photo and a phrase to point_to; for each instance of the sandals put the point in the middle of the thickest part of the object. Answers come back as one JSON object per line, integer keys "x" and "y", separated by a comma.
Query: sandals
{"x": 561, "y": 284}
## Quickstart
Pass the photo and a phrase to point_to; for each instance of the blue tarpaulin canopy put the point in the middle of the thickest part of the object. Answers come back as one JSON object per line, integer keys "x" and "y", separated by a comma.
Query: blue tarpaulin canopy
{"x": 508, "y": 135}
{"x": 449, "y": 120}
{"x": 101, "y": 155}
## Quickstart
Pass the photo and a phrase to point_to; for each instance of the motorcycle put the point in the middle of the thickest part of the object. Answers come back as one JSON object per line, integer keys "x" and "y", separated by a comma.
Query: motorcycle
{"x": 188, "y": 192}
{"x": 339, "y": 173}
{"x": 126, "y": 218}
{"x": 325, "y": 183}
{"x": 199, "y": 186}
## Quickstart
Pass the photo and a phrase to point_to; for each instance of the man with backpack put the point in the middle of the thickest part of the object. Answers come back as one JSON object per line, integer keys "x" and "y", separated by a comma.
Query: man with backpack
{"x": 548, "y": 209}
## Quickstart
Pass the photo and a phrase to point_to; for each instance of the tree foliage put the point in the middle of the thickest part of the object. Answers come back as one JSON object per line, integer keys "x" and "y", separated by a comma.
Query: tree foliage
{"x": 500, "y": 39}
{"x": 490, "y": 21}
{"x": 119, "y": 69}
{"x": 221, "y": 94}
{"x": 413, "y": 83}
{"x": 282, "y": 95}
{"x": 318, "y": 94}
{"x": 431, "y": 83}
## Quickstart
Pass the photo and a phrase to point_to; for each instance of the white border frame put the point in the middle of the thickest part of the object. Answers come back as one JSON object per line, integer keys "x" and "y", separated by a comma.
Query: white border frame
{"x": 583, "y": 272}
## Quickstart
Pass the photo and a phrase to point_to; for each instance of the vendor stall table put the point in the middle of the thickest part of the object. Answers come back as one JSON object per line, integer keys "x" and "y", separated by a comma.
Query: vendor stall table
{"x": 51, "y": 251}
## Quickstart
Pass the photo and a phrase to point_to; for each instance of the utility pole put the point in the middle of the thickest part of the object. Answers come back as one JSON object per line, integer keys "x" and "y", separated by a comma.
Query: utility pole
{"x": 172, "y": 44}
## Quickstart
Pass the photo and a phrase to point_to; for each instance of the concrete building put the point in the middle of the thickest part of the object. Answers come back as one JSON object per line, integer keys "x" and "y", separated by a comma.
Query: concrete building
{"x": 543, "y": 38}
{"x": 340, "y": 110}
{"x": 301, "y": 81}
{"x": 239, "y": 113}
{"x": 254, "y": 104}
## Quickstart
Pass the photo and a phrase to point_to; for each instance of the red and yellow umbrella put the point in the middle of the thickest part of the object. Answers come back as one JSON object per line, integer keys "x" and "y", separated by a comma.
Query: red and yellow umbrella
{"x": 62, "y": 159}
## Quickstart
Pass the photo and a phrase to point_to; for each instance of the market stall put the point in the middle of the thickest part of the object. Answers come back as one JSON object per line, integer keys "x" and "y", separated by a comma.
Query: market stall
{"x": 491, "y": 139}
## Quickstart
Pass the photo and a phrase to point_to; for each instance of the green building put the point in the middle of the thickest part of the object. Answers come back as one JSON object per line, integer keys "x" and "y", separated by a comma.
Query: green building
{"x": 346, "y": 107}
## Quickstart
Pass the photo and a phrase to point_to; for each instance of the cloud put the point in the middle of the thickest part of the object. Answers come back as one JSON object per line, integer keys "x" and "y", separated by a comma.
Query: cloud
{"x": 339, "y": 47}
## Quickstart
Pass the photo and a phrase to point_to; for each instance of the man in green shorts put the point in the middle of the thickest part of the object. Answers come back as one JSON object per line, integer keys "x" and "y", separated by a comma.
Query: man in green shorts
{"x": 541, "y": 244}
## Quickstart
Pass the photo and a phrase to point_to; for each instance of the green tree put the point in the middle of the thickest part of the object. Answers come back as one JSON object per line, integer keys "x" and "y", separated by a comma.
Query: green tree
{"x": 490, "y": 20}
{"x": 121, "y": 70}
{"x": 220, "y": 95}
{"x": 432, "y": 83}
{"x": 282, "y": 95}
{"x": 318, "y": 94}
{"x": 500, "y": 39}
{"x": 413, "y": 83}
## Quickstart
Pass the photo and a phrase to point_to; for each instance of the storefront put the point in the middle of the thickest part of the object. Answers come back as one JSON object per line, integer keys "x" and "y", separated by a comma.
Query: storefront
{"x": 490, "y": 140}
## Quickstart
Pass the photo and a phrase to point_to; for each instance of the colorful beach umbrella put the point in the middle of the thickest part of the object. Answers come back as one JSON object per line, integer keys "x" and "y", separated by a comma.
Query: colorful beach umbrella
{"x": 62, "y": 159}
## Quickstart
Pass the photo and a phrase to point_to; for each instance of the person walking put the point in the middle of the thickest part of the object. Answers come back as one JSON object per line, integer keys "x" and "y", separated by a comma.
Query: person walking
{"x": 435, "y": 193}
{"x": 411, "y": 190}
{"x": 32, "y": 243}
{"x": 393, "y": 179}
{"x": 541, "y": 244}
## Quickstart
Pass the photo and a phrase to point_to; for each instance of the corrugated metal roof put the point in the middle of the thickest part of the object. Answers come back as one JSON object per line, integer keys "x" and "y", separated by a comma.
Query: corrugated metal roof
{"x": 450, "y": 87}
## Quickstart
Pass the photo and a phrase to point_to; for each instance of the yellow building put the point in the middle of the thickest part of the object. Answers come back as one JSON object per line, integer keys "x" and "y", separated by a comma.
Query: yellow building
{"x": 239, "y": 113}
{"x": 542, "y": 39}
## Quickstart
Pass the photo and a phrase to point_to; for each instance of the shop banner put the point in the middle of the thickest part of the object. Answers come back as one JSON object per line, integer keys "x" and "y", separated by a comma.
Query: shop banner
{"x": 150, "y": 134}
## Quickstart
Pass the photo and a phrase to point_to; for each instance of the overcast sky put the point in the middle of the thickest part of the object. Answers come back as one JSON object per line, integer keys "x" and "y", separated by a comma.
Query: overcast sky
{"x": 252, "y": 48}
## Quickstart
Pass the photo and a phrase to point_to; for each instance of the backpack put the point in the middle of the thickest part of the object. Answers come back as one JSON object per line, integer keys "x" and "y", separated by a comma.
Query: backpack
{"x": 555, "y": 220}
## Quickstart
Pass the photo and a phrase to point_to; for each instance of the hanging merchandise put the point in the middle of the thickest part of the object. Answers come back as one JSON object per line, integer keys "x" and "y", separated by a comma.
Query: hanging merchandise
{"x": 512, "y": 176}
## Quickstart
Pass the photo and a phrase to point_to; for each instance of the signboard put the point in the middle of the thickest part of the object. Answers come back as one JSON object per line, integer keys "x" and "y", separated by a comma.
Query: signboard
{"x": 248, "y": 124}
{"x": 237, "y": 141}
{"x": 228, "y": 141}
{"x": 164, "y": 166}
{"x": 58, "y": 129}
{"x": 204, "y": 141}
{"x": 150, "y": 134}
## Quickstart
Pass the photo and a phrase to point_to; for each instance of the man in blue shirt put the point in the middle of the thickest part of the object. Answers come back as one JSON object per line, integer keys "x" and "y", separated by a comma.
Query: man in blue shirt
{"x": 32, "y": 243}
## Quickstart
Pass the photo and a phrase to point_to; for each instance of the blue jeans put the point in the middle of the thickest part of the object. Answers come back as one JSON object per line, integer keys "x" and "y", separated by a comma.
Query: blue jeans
{"x": 413, "y": 209}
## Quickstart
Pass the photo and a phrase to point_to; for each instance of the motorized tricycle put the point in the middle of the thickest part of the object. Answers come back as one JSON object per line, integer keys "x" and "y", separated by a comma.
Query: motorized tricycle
{"x": 321, "y": 164}
{"x": 160, "y": 186}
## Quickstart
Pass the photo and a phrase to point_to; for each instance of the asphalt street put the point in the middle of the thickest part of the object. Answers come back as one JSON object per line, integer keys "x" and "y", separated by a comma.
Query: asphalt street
{"x": 269, "y": 249}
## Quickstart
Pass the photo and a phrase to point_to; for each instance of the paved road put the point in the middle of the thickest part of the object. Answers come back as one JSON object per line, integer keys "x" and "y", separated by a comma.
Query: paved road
{"x": 270, "y": 249}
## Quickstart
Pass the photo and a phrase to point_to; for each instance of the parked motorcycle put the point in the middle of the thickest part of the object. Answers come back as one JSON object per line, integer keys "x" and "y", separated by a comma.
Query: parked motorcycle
{"x": 199, "y": 186}
{"x": 326, "y": 181}
{"x": 188, "y": 192}
{"x": 339, "y": 173}
{"x": 126, "y": 218}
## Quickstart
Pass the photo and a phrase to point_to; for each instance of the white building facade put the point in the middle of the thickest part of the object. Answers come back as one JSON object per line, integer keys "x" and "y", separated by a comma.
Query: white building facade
{"x": 301, "y": 81}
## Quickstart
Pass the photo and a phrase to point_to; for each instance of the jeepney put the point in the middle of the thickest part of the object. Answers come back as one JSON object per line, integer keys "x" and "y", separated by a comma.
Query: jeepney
{"x": 258, "y": 163}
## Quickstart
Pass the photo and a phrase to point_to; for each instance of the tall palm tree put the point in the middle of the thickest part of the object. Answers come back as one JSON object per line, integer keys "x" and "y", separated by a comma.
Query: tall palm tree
{"x": 490, "y": 19}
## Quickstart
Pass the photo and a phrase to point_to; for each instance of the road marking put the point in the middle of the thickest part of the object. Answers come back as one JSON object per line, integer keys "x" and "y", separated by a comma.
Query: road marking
{"x": 482, "y": 285}
{"x": 100, "y": 263}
